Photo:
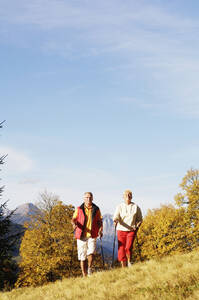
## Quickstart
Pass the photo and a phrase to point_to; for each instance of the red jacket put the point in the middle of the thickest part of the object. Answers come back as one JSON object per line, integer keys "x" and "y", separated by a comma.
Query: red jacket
{"x": 80, "y": 221}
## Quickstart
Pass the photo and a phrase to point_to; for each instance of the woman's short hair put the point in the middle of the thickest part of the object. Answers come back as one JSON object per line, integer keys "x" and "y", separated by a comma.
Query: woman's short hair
{"x": 128, "y": 192}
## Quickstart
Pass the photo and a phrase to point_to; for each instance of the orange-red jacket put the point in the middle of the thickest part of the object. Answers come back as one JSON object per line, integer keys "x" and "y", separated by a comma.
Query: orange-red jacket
{"x": 81, "y": 221}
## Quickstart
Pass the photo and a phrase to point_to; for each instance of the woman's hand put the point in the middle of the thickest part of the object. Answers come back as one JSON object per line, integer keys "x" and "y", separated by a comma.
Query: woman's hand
{"x": 115, "y": 222}
{"x": 134, "y": 228}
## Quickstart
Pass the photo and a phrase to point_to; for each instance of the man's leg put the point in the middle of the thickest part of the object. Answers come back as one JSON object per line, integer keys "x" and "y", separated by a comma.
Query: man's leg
{"x": 83, "y": 265}
{"x": 82, "y": 250}
{"x": 90, "y": 263}
{"x": 90, "y": 253}
{"x": 90, "y": 260}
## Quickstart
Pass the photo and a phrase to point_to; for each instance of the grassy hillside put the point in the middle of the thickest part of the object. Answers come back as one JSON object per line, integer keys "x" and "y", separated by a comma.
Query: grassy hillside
{"x": 175, "y": 277}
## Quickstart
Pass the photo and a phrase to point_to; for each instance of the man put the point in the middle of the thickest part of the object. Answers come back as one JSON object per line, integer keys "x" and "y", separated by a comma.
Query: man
{"x": 127, "y": 218}
{"x": 87, "y": 223}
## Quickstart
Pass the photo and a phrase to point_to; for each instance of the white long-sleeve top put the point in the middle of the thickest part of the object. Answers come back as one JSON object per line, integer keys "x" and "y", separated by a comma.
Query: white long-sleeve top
{"x": 128, "y": 215}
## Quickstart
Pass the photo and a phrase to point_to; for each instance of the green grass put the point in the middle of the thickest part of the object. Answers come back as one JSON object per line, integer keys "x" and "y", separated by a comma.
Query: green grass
{"x": 174, "y": 277}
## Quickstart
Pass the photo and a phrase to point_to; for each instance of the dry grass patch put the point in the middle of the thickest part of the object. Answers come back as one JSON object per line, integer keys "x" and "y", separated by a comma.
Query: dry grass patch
{"x": 174, "y": 277}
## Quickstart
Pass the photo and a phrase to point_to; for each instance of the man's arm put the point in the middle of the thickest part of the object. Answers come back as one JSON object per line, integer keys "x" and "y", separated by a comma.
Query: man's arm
{"x": 74, "y": 220}
{"x": 100, "y": 232}
{"x": 100, "y": 224}
{"x": 73, "y": 224}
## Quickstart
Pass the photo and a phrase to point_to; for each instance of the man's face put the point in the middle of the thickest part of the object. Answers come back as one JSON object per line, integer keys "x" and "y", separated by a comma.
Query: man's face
{"x": 88, "y": 199}
{"x": 127, "y": 198}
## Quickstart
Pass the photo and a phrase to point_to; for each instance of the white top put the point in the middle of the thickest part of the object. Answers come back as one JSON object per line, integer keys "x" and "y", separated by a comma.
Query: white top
{"x": 128, "y": 215}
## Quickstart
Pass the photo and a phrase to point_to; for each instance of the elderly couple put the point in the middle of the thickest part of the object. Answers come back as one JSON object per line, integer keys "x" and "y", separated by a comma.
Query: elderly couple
{"x": 87, "y": 223}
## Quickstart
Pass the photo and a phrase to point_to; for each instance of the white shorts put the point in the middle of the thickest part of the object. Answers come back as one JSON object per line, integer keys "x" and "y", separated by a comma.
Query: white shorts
{"x": 85, "y": 247}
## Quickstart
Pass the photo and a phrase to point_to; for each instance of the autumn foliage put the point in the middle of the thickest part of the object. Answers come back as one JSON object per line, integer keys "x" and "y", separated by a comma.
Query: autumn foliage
{"x": 168, "y": 229}
{"x": 48, "y": 249}
{"x": 163, "y": 232}
{"x": 189, "y": 198}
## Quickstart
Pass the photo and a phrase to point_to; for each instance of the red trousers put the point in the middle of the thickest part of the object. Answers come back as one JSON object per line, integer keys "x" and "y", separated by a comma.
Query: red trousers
{"x": 125, "y": 244}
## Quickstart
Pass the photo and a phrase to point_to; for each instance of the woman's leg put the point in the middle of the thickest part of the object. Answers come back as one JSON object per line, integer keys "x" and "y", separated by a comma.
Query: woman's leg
{"x": 121, "y": 235}
{"x": 129, "y": 244}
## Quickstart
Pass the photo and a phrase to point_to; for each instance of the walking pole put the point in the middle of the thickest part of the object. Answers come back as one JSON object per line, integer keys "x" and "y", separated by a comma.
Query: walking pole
{"x": 138, "y": 245}
{"x": 71, "y": 259}
{"x": 113, "y": 247}
{"x": 102, "y": 252}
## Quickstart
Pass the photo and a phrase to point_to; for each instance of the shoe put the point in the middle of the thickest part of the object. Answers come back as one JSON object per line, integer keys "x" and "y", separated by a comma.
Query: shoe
{"x": 129, "y": 264}
{"x": 89, "y": 271}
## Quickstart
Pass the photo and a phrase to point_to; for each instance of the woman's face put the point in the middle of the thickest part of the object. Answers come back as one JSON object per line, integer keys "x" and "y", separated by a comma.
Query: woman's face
{"x": 127, "y": 198}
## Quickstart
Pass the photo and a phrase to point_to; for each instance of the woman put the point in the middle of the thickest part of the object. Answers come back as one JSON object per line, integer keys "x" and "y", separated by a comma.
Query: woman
{"x": 127, "y": 218}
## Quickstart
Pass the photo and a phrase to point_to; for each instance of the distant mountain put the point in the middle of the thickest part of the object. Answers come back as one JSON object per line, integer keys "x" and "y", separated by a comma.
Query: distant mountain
{"x": 108, "y": 226}
{"x": 24, "y": 212}
{"x": 108, "y": 237}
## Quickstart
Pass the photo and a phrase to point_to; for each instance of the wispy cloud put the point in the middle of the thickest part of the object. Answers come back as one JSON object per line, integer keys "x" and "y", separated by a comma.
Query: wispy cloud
{"x": 16, "y": 161}
{"x": 52, "y": 14}
{"x": 113, "y": 24}
{"x": 151, "y": 40}
{"x": 29, "y": 181}
{"x": 70, "y": 184}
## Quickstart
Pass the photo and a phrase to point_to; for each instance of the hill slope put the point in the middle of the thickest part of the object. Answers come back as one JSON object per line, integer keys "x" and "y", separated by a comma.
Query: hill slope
{"x": 175, "y": 277}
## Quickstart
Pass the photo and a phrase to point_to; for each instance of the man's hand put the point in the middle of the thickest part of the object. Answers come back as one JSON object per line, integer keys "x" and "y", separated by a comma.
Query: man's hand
{"x": 100, "y": 234}
{"x": 74, "y": 225}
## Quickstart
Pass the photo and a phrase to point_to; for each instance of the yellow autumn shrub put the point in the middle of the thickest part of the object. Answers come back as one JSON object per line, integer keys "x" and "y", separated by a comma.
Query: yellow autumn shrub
{"x": 48, "y": 250}
{"x": 164, "y": 231}
{"x": 189, "y": 199}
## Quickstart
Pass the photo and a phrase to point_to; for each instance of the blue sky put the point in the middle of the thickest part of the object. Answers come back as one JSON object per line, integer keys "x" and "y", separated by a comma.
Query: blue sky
{"x": 98, "y": 96}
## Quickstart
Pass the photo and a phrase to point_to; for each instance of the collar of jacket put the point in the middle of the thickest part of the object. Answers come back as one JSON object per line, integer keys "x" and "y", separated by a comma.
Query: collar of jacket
{"x": 94, "y": 209}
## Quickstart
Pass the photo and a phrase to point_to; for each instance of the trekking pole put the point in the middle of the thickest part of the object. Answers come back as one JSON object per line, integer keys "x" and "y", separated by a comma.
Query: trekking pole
{"x": 113, "y": 247}
{"x": 138, "y": 247}
{"x": 102, "y": 252}
{"x": 71, "y": 259}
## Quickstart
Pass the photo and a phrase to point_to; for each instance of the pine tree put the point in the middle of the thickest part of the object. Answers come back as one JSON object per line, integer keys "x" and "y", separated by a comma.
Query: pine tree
{"x": 8, "y": 267}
